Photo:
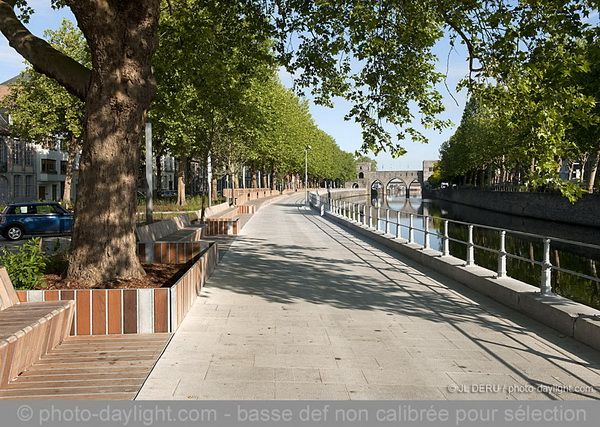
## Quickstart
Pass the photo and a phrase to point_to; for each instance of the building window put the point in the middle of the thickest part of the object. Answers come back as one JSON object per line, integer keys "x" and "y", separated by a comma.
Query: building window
{"x": 18, "y": 184}
{"x": 361, "y": 175}
{"x": 17, "y": 152}
{"x": 28, "y": 155}
{"x": 63, "y": 167}
{"x": 29, "y": 186}
{"x": 48, "y": 166}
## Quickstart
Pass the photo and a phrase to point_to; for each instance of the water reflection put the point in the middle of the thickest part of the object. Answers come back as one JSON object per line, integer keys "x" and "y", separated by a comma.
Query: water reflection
{"x": 576, "y": 258}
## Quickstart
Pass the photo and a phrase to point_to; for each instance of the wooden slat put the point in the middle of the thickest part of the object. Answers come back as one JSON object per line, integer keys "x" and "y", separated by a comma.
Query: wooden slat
{"x": 99, "y": 325}
{"x": 34, "y": 387}
{"x": 114, "y": 311}
{"x": 130, "y": 325}
{"x": 48, "y": 378}
{"x": 83, "y": 312}
{"x": 51, "y": 392}
{"x": 90, "y": 372}
{"x": 161, "y": 310}
{"x": 22, "y": 295}
{"x": 51, "y": 296}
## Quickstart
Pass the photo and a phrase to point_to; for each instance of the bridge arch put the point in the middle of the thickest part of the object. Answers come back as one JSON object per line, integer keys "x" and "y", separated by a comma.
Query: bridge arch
{"x": 396, "y": 187}
{"x": 414, "y": 188}
{"x": 377, "y": 189}
{"x": 355, "y": 185}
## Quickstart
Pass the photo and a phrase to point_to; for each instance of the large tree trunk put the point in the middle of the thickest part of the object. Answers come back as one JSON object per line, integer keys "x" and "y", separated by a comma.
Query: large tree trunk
{"x": 253, "y": 182}
{"x": 122, "y": 37}
{"x": 72, "y": 149}
{"x": 593, "y": 172}
{"x": 215, "y": 189}
{"x": 181, "y": 173}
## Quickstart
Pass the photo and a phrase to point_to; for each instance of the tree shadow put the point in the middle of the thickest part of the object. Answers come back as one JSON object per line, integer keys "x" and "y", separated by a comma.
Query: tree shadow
{"x": 352, "y": 272}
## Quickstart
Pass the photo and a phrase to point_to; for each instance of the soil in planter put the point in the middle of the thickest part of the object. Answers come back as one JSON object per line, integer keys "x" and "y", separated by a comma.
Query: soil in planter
{"x": 157, "y": 276}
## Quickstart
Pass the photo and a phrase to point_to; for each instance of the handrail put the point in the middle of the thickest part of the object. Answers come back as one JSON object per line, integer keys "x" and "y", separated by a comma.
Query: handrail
{"x": 363, "y": 214}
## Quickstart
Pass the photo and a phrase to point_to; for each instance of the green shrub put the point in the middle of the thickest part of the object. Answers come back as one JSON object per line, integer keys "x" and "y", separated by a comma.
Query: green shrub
{"x": 25, "y": 267}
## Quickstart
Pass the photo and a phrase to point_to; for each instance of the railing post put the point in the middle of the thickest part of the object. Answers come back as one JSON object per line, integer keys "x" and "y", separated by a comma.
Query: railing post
{"x": 387, "y": 221}
{"x": 426, "y": 229}
{"x": 470, "y": 248}
{"x": 356, "y": 215}
{"x": 370, "y": 215}
{"x": 378, "y": 216}
{"x": 502, "y": 255}
{"x": 397, "y": 224}
{"x": 546, "y": 288}
{"x": 411, "y": 229}
{"x": 446, "y": 243}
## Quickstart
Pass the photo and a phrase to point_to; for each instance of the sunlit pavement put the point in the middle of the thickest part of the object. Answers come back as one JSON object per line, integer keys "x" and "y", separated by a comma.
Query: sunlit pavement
{"x": 301, "y": 308}
{"x": 49, "y": 243}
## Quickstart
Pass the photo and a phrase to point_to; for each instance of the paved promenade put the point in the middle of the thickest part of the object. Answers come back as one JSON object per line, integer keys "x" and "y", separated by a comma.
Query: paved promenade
{"x": 300, "y": 308}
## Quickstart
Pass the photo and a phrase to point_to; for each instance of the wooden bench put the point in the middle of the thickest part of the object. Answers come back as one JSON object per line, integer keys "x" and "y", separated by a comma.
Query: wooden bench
{"x": 174, "y": 229}
{"x": 28, "y": 330}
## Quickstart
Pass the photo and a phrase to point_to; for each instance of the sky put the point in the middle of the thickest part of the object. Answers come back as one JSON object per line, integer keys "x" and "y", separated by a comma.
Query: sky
{"x": 331, "y": 120}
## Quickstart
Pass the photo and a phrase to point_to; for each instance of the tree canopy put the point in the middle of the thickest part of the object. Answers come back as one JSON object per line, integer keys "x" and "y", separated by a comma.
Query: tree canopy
{"x": 378, "y": 55}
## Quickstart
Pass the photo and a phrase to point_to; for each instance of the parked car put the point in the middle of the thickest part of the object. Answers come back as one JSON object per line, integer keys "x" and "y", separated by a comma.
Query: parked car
{"x": 19, "y": 219}
{"x": 168, "y": 193}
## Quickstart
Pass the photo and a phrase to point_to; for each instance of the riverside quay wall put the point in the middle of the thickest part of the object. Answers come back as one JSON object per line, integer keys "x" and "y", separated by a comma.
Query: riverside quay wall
{"x": 547, "y": 206}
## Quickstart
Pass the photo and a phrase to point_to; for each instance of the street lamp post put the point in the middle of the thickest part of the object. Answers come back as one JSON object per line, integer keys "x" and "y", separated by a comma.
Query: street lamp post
{"x": 306, "y": 175}
{"x": 149, "y": 172}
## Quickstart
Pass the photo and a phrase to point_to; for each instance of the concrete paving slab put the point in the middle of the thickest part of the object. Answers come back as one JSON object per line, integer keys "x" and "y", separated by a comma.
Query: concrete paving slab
{"x": 302, "y": 308}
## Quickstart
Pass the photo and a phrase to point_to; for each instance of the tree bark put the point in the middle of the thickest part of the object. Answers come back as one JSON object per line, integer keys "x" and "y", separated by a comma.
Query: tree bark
{"x": 72, "y": 149}
{"x": 181, "y": 174}
{"x": 159, "y": 174}
{"x": 122, "y": 38}
{"x": 253, "y": 183}
{"x": 593, "y": 172}
{"x": 215, "y": 188}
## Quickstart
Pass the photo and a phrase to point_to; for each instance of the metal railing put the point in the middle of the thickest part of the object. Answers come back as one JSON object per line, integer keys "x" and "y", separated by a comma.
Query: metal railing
{"x": 366, "y": 215}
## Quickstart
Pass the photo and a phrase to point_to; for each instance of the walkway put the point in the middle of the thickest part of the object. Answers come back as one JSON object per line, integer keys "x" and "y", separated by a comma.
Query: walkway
{"x": 300, "y": 308}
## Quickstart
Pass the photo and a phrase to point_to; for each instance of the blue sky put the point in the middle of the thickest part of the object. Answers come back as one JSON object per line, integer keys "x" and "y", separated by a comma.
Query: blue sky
{"x": 331, "y": 120}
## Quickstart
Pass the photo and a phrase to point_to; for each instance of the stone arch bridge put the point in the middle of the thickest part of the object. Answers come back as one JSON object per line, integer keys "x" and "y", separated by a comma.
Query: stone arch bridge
{"x": 392, "y": 183}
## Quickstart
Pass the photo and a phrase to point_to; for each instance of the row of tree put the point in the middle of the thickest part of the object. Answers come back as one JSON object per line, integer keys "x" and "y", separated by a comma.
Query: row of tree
{"x": 219, "y": 97}
{"x": 533, "y": 125}
{"x": 209, "y": 104}
{"x": 378, "y": 55}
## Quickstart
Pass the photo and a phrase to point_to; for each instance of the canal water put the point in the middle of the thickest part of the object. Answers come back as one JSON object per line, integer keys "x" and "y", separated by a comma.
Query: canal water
{"x": 571, "y": 257}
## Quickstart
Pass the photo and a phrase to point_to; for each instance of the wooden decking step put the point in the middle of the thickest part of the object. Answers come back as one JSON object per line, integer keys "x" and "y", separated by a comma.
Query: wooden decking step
{"x": 112, "y": 367}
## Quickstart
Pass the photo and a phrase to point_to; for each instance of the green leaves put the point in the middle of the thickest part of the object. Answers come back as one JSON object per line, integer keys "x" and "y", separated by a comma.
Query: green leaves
{"x": 26, "y": 266}
{"x": 39, "y": 106}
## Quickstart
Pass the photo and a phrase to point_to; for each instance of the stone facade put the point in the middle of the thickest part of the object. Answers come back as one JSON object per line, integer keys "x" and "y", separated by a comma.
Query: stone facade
{"x": 414, "y": 180}
{"x": 546, "y": 206}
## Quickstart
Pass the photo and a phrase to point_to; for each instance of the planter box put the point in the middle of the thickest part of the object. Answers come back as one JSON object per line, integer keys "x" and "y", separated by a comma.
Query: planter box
{"x": 139, "y": 311}
{"x": 221, "y": 226}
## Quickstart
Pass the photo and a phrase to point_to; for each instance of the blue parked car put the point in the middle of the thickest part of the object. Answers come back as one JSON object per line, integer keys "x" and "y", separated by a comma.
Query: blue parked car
{"x": 19, "y": 219}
